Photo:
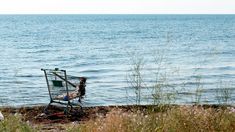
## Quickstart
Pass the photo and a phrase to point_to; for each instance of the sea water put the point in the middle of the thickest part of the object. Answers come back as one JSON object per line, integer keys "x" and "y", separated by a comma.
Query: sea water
{"x": 195, "y": 55}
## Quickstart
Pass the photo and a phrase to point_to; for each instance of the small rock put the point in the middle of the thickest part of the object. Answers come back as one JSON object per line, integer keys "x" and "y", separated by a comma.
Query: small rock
{"x": 17, "y": 114}
{"x": 75, "y": 122}
{"x": 1, "y": 116}
{"x": 42, "y": 115}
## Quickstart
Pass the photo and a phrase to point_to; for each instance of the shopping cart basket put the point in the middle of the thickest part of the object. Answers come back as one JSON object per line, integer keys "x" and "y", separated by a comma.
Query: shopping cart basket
{"x": 64, "y": 89}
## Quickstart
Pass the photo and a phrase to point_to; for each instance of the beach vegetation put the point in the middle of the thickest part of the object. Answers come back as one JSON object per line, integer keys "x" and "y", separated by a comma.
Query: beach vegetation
{"x": 224, "y": 92}
{"x": 178, "y": 118}
{"x": 14, "y": 123}
{"x": 135, "y": 76}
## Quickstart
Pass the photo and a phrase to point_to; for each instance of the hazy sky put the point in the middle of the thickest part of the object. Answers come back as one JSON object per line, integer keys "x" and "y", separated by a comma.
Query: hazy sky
{"x": 117, "y": 6}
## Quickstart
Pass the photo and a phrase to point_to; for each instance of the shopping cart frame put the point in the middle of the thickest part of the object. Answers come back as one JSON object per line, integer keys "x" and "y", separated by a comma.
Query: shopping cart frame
{"x": 62, "y": 78}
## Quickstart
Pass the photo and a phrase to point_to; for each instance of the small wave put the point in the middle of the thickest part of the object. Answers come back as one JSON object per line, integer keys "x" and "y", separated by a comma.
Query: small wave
{"x": 29, "y": 76}
{"x": 212, "y": 76}
{"x": 40, "y": 51}
{"x": 226, "y": 68}
{"x": 96, "y": 71}
{"x": 67, "y": 40}
{"x": 83, "y": 64}
{"x": 129, "y": 32}
{"x": 203, "y": 83}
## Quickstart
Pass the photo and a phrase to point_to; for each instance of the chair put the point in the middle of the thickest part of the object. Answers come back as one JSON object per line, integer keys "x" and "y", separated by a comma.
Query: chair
{"x": 64, "y": 89}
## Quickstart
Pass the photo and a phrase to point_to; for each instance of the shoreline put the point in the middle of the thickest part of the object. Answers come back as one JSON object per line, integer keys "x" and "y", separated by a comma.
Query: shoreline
{"x": 31, "y": 112}
{"x": 58, "y": 121}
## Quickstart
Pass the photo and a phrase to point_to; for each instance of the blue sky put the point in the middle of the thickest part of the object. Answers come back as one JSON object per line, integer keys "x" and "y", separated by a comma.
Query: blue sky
{"x": 117, "y": 7}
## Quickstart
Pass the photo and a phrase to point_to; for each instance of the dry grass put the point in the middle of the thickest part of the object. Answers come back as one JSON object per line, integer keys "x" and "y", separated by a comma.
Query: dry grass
{"x": 14, "y": 123}
{"x": 184, "y": 118}
{"x": 149, "y": 119}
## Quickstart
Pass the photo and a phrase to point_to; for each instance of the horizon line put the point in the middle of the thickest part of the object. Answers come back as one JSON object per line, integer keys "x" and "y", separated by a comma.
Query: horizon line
{"x": 117, "y": 13}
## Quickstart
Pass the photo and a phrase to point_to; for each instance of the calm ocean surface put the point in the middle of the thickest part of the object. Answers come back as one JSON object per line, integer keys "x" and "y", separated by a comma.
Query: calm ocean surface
{"x": 197, "y": 51}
